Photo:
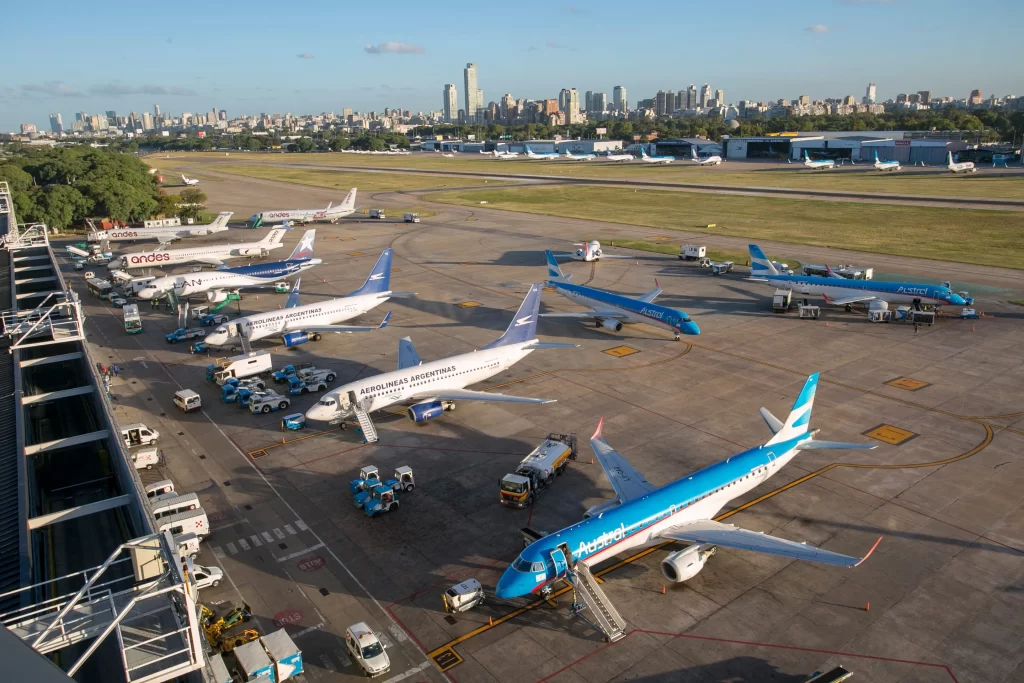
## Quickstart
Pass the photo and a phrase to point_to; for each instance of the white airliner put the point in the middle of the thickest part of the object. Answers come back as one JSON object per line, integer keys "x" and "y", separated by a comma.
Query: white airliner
{"x": 163, "y": 235}
{"x": 213, "y": 255}
{"x": 549, "y": 156}
{"x": 590, "y": 251}
{"x": 579, "y": 157}
{"x": 299, "y": 216}
{"x": 507, "y": 156}
{"x": 297, "y": 324}
{"x": 218, "y": 283}
{"x": 959, "y": 167}
{"x": 619, "y": 157}
{"x": 189, "y": 181}
{"x": 655, "y": 160}
{"x": 433, "y": 387}
{"x": 713, "y": 160}
{"x": 449, "y": 156}
{"x": 891, "y": 165}
{"x": 824, "y": 165}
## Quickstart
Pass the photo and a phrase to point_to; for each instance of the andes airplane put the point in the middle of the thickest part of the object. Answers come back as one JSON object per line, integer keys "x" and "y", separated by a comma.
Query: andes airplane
{"x": 212, "y": 255}
{"x": 299, "y": 216}
{"x": 162, "y": 234}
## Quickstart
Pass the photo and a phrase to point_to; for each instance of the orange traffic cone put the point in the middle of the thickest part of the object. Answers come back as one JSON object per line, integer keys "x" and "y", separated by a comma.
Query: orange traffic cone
{"x": 662, "y": 589}
{"x": 867, "y": 607}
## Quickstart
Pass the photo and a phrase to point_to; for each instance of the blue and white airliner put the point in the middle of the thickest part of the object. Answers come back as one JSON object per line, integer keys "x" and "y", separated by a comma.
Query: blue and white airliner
{"x": 839, "y": 291}
{"x": 891, "y": 165}
{"x": 218, "y": 283}
{"x": 548, "y": 156}
{"x": 642, "y": 515}
{"x": 655, "y": 160}
{"x": 610, "y": 310}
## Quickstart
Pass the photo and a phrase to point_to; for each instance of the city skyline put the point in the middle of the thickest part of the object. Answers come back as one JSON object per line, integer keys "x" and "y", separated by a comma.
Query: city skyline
{"x": 822, "y": 49}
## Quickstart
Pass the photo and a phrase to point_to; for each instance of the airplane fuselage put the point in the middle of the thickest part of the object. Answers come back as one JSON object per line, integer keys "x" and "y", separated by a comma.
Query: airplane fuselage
{"x": 196, "y": 283}
{"x": 170, "y": 257}
{"x": 136, "y": 234}
{"x": 632, "y": 311}
{"x": 300, "y": 216}
{"x": 841, "y": 288}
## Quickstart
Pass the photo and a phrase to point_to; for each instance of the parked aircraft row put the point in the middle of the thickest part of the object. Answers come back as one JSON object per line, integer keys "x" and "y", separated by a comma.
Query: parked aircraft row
{"x": 213, "y": 255}
{"x": 163, "y": 234}
{"x": 891, "y": 165}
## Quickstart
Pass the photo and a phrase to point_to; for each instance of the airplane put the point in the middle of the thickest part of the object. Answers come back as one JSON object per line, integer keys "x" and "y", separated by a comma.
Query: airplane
{"x": 507, "y": 156}
{"x": 189, "y": 181}
{"x": 449, "y": 156}
{"x": 619, "y": 157}
{"x": 959, "y": 167}
{"x": 611, "y": 310}
{"x": 713, "y": 160}
{"x": 299, "y": 216}
{"x": 164, "y": 234}
{"x": 591, "y": 251}
{"x": 655, "y": 160}
{"x": 218, "y": 283}
{"x": 298, "y": 324}
{"x": 550, "y": 156}
{"x": 213, "y": 255}
{"x": 892, "y": 165}
{"x": 644, "y": 515}
{"x": 825, "y": 165}
{"x": 433, "y": 387}
{"x": 839, "y": 291}
{"x": 579, "y": 157}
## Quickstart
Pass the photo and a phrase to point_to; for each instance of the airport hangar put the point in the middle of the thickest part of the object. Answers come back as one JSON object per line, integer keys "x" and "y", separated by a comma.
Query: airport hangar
{"x": 538, "y": 146}
{"x": 681, "y": 148}
{"x": 854, "y": 145}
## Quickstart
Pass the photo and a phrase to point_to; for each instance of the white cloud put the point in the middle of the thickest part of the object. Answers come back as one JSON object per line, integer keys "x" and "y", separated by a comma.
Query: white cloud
{"x": 119, "y": 89}
{"x": 817, "y": 28}
{"x": 46, "y": 89}
{"x": 305, "y": 55}
{"x": 394, "y": 48}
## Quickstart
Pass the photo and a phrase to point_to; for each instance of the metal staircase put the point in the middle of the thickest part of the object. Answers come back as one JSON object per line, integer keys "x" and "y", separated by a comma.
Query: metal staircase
{"x": 231, "y": 296}
{"x": 59, "y": 315}
{"x": 365, "y": 423}
{"x": 607, "y": 618}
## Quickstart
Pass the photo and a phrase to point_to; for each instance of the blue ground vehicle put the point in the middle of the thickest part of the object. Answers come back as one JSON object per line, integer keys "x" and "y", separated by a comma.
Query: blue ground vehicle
{"x": 181, "y": 334}
{"x": 381, "y": 499}
{"x": 295, "y": 421}
{"x": 289, "y": 371}
{"x": 369, "y": 480}
{"x": 369, "y": 477}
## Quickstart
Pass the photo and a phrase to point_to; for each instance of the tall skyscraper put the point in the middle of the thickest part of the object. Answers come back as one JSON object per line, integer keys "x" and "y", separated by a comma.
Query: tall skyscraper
{"x": 691, "y": 97}
{"x": 600, "y": 102}
{"x": 156, "y": 111}
{"x": 56, "y": 125}
{"x": 450, "y": 103}
{"x": 720, "y": 96}
{"x": 661, "y": 103}
{"x": 588, "y": 102}
{"x": 871, "y": 94}
{"x": 705, "y": 94}
{"x": 573, "y": 114}
{"x": 474, "y": 97}
{"x": 619, "y": 99}
{"x": 926, "y": 96}
{"x": 976, "y": 97}
{"x": 563, "y": 100}
{"x": 147, "y": 121}
{"x": 509, "y": 110}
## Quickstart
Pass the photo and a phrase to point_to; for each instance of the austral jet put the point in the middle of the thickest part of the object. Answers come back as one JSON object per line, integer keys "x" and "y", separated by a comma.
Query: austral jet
{"x": 590, "y": 251}
{"x": 618, "y": 157}
{"x": 611, "y": 310}
{"x": 824, "y": 165}
{"x": 579, "y": 157}
{"x": 655, "y": 160}
{"x": 713, "y": 160}
{"x": 842, "y": 292}
{"x": 218, "y": 283}
{"x": 297, "y": 324}
{"x": 299, "y": 216}
{"x": 891, "y": 165}
{"x": 212, "y": 255}
{"x": 643, "y": 515}
{"x": 433, "y": 387}
{"x": 162, "y": 234}
{"x": 549, "y": 156}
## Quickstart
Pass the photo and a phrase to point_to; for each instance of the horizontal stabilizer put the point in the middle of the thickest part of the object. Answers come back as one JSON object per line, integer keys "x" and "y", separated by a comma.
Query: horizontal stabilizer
{"x": 553, "y": 345}
{"x": 467, "y": 395}
{"x": 774, "y": 423}
{"x": 813, "y": 445}
{"x": 401, "y": 295}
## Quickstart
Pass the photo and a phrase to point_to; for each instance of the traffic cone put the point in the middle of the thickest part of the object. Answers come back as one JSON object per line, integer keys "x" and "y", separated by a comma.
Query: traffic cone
{"x": 867, "y": 607}
{"x": 662, "y": 589}
{"x": 490, "y": 621}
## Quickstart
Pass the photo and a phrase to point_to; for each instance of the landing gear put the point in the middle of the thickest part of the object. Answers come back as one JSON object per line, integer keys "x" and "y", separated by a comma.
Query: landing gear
{"x": 678, "y": 336}
{"x": 316, "y": 336}
{"x": 448, "y": 405}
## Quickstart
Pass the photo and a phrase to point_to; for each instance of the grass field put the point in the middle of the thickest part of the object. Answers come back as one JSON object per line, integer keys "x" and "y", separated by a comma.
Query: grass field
{"x": 859, "y": 178}
{"x": 970, "y": 236}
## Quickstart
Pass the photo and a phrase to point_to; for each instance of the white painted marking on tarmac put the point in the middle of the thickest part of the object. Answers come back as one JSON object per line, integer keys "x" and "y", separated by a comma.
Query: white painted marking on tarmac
{"x": 279, "y": 533}
{"x": 307, "y": 630}
{"x": 245, "y": 544}
{"x": 343, "y": 657}
{"x": 219, "y": 552}
{"x": 267, "y": 537}
{"x": 289, "y": 529}
{"x": 300, "y": 553}
{"x": 256, "y": 540}
{"x": 411, "y": 672}
{"x": 385, "y": 639}
{"x": 232, "y": 549}
{"x": 302, "y": 525}
{"x": 327, "y": 663}
{"x": 396, "y": 633}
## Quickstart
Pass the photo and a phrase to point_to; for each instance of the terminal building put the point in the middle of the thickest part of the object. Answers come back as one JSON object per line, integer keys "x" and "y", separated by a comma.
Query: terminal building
{"x": 856, "y": 146}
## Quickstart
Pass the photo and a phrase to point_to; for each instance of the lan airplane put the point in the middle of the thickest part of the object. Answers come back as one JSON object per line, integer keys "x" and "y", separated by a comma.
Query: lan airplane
{"x": 163, "y": 235}
{"x": 642, "y": 515}
{"x": 840, "y": 291}
{"x": 213, "y": 255}
{"x": 655, "y": 160}
{"x": 591, "y": 251}
{"x": 189, "y": 181}
{"x": 297, "y": 324}
{"x": 218, "y": 283}
{"x": 550, "y": 156}
{"x": 713, "y": 160}
{"x": 959, "y": 167}
{"x": 823, "y": 165}
{"x": 299, "y": 216}
{"x": 433, "y": 387}
{"x": 579, "y": 157}
{"x": 611, "y": 310}
{"x": 891, "y": 165}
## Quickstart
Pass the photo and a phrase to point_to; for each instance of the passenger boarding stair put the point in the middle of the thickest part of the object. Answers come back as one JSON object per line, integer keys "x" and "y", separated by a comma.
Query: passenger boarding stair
{"x": 232, "y": 296}
{"x": 609, "y": 621}
{"x": 365, "y": 424}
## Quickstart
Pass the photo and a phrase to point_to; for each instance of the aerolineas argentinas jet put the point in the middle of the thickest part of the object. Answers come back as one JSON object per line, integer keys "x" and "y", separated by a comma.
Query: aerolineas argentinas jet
{"x": 642, "y": 515}
{"x": 218, "y": 283}
{"x": 297, "y": 324}
{"x": 433, "y": 387}
{"x": 299, "y": 216}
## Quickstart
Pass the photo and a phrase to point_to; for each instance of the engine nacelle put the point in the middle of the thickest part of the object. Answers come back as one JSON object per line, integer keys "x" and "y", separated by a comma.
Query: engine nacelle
{"x": 580, "y": 252}
{"x": 296, "y": 338}
{"x": 687, "y": 563}
{"x": 597, "y": 253}
{"x": 601, "y": 507}
{"x": 421, "y": 412}
{"x": 216, "y": 296}
{"x": 611, "y": 324}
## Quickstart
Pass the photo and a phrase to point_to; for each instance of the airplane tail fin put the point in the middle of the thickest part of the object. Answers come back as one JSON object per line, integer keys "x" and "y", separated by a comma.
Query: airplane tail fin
{"x": 350, "y": 200}
{"x": 294, "y": 298}
{"x": 554, "y": 270}
{"x": 760, "y": 265}
{"x": 221, "y": 221}
{"x": 304, "y": 249}
{"x": 523, "y": 327}
{"x": 800, "y": 417}
{"x": 379, "y": 279}
{"x": 274, "y": 236}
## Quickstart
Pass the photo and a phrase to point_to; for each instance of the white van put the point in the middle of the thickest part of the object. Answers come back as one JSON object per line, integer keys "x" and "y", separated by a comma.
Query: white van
{"x": 138, "y": 434}
{"x": 145, "y": 458}
{"x": 159, "y": 488}
{"x": 188, "y": 544}
{"x": 173, "y": 505}
{"x": 188, "y": 522}
{"x": 188, "y": 400}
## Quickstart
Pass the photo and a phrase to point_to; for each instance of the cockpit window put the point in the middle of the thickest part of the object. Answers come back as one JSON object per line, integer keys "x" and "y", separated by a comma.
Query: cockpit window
{"x": 328, "y": 402}
{"x": 521, "y": 565}
{"x": 221, "y": 329}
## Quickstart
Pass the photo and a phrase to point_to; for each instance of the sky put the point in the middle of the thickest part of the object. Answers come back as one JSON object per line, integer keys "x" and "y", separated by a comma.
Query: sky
{"x": 251, "y": 57}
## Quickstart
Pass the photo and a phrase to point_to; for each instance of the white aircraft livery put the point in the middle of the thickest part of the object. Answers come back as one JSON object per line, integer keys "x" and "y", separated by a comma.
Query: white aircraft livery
{"x": 959, "y": 167}
{"x": 823, "y": 165}
{"x": 618, "y": 157}
{"x": 213, "y": 255}
{"x": 891, "y": 165}
{"x": 298, "y": 324}
{"x": 164, "y": 235}
{"x": 589, "y": 251}
{"x": 713, "y": 160}
{"x": 189, "y": 181}
{"x": 433, "y": 387}
{"x": 299, "y": 216}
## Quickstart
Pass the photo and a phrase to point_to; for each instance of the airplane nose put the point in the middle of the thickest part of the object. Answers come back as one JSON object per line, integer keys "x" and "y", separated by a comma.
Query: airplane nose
{"x": 508, "y": 585}
{"x": 689, "y": 327}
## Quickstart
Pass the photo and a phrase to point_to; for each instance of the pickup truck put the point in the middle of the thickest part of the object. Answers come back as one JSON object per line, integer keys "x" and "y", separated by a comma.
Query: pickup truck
{"x": 289, "y": 371}
{"x": 265, "y": 402}
{"x": 182, "y": 334}
{"x": 211, "y": 319}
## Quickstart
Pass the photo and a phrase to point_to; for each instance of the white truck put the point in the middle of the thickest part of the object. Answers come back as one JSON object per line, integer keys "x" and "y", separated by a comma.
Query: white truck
{"x": 267, "y": 401}
{"x": 188, "y": 522}
{"x": 239, "y": 367}
{"x": 722, "y": 267}
{"x": 145, "y": 458}
{"x": 138, "y": 434}
{"x": 782, "y": 300}
{"x": 377, "y": 213}
{"x": 537, "y": 471}
{"x": 411, "y": 218}
{"x": 692, "y": 252}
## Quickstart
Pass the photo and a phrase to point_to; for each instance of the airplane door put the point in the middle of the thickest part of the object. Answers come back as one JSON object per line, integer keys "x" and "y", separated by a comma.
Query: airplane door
{"x": 561, "y": 565}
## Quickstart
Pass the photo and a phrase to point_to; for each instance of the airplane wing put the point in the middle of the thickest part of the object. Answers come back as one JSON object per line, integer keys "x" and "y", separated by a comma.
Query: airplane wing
{"x": 615, "y": 256}
{"x": 585, "y": 314}
{"x": 467, "y": 395}
{"x": 347, "y": 328}
{"x": 716, "y": 533}
{"x": 650, "y": 296}
{"x": 627, "y": 482}
{"x": 407, "y": 356}
{"x": 165, "y": 239}
{"x": 849, "y": 300}
{"x": 211, "y": 260}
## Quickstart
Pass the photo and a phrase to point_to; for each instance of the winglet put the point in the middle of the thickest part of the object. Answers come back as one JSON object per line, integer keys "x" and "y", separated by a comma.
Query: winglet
{"x": 861, "y": 561}
{"x": 597, "y": 432}
{"x": 384, "y": 322}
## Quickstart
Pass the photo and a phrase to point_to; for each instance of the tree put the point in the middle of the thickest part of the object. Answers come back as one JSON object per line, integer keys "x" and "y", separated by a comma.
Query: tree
{"x": 304, "y": 145}
{"x": 60, "y": 206}
{"x": 191, "y": 203}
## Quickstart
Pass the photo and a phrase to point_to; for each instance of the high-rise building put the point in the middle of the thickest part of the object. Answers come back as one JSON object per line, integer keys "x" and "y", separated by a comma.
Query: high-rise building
{"x": 156, "y": 112}
{"x": 870, "y": 94}
{"x": 975, "y": 98}
{"x": 508, "y": 107}
{"x": 474, "y": 96}
{"x": 450, "y": 103}
{"x": 588, "y": 101}
{"x": 27, "y": 128}
{"x": 573, "y": 114}
{"x": 705, "y": 94}
{"x": 691, "y": 97}
{"x": 147, "y": 121}
{"x": 563, "y": 99}
{"x": 56, "y": 125}
{"x": 82, "y": 116}
{"x": 222, "y": 115}
{"x": 720, "y": 96}
{"x": 111, "y": 115}
{"x": 662, "y": 106}
{"x": 804, "y": 100}
{"x": 926, "y": 96}
{"x": 619, "y": 99}
{"x": 600, "y": 102}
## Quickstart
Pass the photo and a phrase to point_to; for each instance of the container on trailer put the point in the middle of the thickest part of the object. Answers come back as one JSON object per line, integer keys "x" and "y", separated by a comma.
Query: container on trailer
{"x": 287, "y": 657}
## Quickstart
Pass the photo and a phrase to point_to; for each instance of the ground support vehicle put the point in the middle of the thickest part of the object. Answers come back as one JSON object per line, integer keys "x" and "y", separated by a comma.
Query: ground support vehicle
{"x": 267, "y": 401}
{"x": 538, "y": 470}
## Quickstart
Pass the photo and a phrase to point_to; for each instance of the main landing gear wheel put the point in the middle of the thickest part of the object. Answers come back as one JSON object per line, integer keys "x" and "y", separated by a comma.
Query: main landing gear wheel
{"x": 317, "y": 337}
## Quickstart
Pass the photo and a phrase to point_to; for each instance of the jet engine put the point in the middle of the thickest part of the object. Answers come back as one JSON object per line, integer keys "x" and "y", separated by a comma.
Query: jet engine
{"x": 611, "y": 324}
{"x": 215, "y": 296}
{"x": 296, "y": 338}
{"x": 428, "y": 410}
{"x": 581, "y": 252}
{"x": 601, "y": 507}
{"x": 597, "y": 253}
{"x": 685, "y": 564}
